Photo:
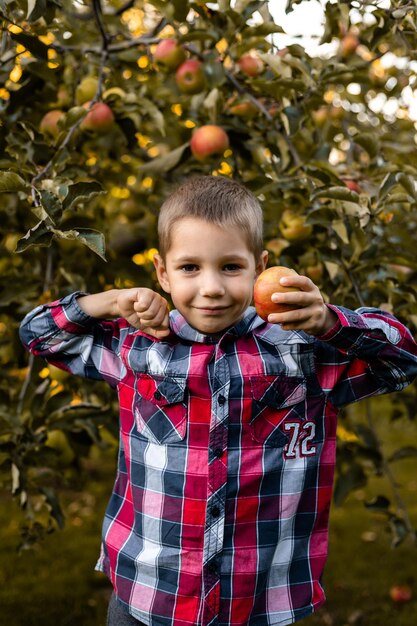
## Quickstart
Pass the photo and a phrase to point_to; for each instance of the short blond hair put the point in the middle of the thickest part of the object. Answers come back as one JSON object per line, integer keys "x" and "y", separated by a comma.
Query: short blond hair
{"x": 218, "y": 200}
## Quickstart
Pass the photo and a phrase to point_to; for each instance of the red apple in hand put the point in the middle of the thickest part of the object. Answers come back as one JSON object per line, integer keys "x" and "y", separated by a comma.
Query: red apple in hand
{"x": 268, "y": 283}
{"x": 169, "y": 54}
{"x": 207, "y": 140}
{"x": 190, "y": 77}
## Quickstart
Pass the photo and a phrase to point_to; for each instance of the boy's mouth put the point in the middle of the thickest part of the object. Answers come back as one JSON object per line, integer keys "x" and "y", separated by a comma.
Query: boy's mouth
{"x": 212, "y": 310}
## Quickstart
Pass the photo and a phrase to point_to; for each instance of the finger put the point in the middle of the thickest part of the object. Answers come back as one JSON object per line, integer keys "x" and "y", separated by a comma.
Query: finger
{"x": 152, "y": 308}
{"x": 297, "y": 280}
{"x": 296, "y": 316}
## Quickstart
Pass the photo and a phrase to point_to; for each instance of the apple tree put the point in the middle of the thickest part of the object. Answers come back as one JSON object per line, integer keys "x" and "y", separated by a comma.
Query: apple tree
{"x": 105, "y": 105}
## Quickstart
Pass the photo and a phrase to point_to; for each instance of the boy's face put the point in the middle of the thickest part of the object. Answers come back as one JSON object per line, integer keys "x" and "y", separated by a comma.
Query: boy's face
{"x": 209, "y": 272}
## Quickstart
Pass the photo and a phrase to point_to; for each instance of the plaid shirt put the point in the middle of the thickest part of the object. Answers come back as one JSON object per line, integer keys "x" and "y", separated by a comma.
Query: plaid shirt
{"x": 219, "y": 513}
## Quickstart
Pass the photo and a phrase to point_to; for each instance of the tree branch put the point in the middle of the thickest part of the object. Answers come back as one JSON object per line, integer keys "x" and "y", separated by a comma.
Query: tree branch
{"x": 401, "y": 506}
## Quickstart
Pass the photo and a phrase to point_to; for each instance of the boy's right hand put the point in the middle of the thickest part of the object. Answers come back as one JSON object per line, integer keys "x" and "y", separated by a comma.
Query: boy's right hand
{"x": 144, "y": 309}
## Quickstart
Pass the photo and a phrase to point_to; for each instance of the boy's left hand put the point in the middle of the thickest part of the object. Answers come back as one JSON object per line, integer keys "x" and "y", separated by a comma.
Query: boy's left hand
{"x": 313, "y": 316}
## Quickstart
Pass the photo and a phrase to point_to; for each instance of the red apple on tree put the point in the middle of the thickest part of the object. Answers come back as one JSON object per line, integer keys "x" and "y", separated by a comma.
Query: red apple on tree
{"x": 352, "y": 185}
{"x": 348, "y": 44}
{"x": 268, "y": 283}
{"x": 401, "y": 593}
{"x": 99, "y": 119}
{"x": 207, "y": 140}
{"x": 49, "y": 123}
{"x": 250, "y": 65}
{"x": 245, "y": 110}
{"x": 169, "y": 54}
{"x": 190, "y": 77}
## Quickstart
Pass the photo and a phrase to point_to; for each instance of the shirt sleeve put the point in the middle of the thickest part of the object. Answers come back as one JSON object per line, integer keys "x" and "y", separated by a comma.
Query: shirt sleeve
{"x": 68, "y": 338}
{"x": 367, "y": 352}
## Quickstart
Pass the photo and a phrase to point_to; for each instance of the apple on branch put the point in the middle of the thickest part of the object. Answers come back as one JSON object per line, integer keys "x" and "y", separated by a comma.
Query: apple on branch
{"x": 401, "y": 593}
{"x": 245, "y": 109}
{"x": 49, "y": 123}
{"x": 294, "y": 227}
{"x": 99, "y": 119}
{"x": 190, "y": 77}
{"x": 250, "y": 65}
{"x": 169, "y": 54}
{"x": 348, "y": 44}
{"x": 352, "y": 185}
{"x": 86, "y": 90}
{"x": 207, "y": 140}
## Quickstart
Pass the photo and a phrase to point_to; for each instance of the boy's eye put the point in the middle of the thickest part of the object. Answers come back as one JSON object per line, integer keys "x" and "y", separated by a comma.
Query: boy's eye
{"x": 189, "y": 267}
{"x": 231, "y": 267}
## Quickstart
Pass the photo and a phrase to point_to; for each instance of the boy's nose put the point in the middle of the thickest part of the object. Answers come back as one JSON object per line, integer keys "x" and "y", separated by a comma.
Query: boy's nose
{"x": 211, "y": 286}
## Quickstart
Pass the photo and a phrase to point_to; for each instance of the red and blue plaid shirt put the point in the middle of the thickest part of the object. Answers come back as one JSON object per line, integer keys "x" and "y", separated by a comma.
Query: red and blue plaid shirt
{"x": 219, "y": 513}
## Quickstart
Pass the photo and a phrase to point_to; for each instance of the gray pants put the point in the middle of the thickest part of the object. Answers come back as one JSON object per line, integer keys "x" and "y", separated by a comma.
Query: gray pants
{"x": 117, "y": 614}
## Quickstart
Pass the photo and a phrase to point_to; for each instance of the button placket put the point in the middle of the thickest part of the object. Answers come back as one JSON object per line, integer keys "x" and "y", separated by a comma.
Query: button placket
{"x": 216, "y": 488}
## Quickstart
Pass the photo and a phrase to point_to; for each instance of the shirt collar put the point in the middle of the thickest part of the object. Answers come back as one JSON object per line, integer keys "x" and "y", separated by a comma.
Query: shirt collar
{"x": 247, "y": 324}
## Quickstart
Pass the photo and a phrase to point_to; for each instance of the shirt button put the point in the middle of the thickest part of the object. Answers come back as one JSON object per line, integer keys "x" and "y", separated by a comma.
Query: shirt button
{"x": 157, "y": 395}
{"x": 215, "y": 511}
{"x": 221, "y": 400}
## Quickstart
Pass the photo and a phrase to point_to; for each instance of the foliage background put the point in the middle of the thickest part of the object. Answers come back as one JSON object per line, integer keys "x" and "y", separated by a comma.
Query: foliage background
{"x": 73, "y": 198}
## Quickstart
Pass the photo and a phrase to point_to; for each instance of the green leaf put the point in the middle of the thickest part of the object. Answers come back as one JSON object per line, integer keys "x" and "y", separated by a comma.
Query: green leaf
{"x": 181, "y": 9}
{"x": 337, "y": 193}
{"x": 51, "y": 204}
{"x": 267, "y": 28}
{"x": 368, "y": 142}
{"x": 36, "y": 9}
{"x": 164, "y": 163}
{"x": 406, "y": 182}
{"x": 399, "y": 531}
{"x": 53, "y": 502}
{"x": 352, "y": 478}
{"x": 340, "y": 229}
{"x": 91, "y": 238}
{"x": 380, "y": 503}
{"x": 147, "y": 106}
{"x": 80, "y": 192}
{"x": 403, "y": 453}
{"x": 33, "y": 44}
{"x": 39, "y": 235}
{"x": 11, "y": 182}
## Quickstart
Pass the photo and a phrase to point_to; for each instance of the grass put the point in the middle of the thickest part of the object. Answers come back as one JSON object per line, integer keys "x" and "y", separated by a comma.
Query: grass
{"x": 56, "y": 584}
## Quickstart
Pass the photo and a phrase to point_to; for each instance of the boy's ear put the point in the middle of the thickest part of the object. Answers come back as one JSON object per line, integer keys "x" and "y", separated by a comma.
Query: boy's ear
{"x": 263, "y": 260}
{"x": 161, "y": 273}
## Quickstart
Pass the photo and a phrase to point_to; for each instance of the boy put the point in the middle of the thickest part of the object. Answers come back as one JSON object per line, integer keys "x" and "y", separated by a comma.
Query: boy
{"x": 219, "y": 512}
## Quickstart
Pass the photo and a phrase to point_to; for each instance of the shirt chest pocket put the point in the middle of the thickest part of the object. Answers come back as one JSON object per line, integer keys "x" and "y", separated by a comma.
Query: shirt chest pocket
{"x": 160, "y": 409}
{"x": 276, "y": 400}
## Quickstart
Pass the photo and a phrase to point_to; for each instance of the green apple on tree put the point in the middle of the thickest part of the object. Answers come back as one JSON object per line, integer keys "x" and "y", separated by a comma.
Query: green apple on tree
{"x": 294, "y": 227}
{"x": 86, "y": 90}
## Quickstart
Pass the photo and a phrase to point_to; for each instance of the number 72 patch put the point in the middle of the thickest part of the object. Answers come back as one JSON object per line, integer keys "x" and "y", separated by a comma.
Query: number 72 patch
{"x": 301, "y": 436}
